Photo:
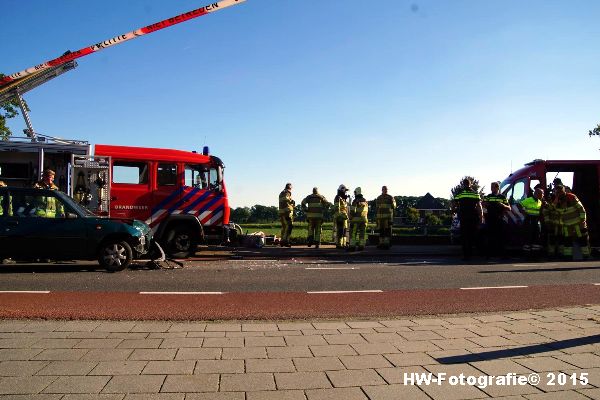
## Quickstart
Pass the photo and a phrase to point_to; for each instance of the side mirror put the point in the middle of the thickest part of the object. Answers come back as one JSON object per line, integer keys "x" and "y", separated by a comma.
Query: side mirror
{"x": 70, "y": 215}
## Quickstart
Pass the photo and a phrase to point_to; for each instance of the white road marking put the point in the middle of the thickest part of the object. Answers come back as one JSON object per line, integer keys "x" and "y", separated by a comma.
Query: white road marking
{"x": 596, "y": 284}
{"x": 346, "y": 291}
{"x": 183, "y": 292}
{"x": 26, "y": 291}
{"x": 535, "y": 264}
{"x": 332, "y": 268}
{"x": 492, "y": 287}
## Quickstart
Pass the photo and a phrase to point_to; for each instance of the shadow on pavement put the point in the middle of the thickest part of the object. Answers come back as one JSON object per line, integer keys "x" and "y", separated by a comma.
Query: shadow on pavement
{"x": 561, "y": 269}
{"x": 520, "y": 351}
{"x": 54, "y": 267}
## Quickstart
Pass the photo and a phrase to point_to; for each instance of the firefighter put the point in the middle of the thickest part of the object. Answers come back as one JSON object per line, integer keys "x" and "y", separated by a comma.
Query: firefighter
{"x": 48, "y": 206}
{"x": 467, "y": 204}
{"x": 385, "y": 205}
{"x": 550, "y": 221}
{"x": 531, "y": 207}
{"x": 286, "y": 214}
{"x": 358, "y": 221}
{"x": 496, "y": 205}
{"x": 340, "y": 217}
{"x": 313, "y": 205}
{"x": 9, "y": 206}
{"x": 573, "y": 224}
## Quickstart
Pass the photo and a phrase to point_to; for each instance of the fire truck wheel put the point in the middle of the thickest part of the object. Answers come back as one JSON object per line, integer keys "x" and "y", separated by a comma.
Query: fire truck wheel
{"x": 182, "y": 242}
{"x": 115, "y": 255}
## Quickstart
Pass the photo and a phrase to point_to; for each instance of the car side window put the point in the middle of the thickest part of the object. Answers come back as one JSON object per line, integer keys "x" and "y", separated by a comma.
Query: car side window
{"x": 37, "y": 205}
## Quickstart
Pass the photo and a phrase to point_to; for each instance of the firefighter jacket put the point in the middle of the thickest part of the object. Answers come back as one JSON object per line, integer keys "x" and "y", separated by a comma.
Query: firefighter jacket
{"x": 47, "y": 206}
{"x": 385, "y": 205}
{"x": 313, "y": 206}
{"x": 44, "y": 185}
{"x": 468, "y": 203}
{"x": 359, "y": 209}
{"x": 494, "y": 205}
{"x": 550, "y": 217}
{"x": 340, "y": 208}
{"x": 531, "y": 206}
{"x": 571, "y": 215}
{"x": 286, "y": 204}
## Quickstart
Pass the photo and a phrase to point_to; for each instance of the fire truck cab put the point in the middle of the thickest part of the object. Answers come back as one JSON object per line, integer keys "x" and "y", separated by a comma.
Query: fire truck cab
{"x": 581, "y": 176}
{"x": 180, "y": 194}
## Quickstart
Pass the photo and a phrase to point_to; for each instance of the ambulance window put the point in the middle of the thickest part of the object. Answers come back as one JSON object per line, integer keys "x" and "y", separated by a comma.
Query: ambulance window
{"x": 130, "y": 172}
{"x": 167, "y": 174}
{"x": 196, "y": 176}
{"x": 519, "y": 191}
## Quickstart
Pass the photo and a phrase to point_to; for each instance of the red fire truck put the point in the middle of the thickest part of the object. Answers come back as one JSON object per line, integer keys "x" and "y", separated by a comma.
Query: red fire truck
{"x": 582, "y": 176}
{"x": 180, "y": 194}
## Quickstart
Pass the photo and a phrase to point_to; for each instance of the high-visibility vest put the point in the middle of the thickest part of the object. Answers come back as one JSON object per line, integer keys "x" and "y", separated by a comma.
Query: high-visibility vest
{"x": 385, "y": 206}
{"x": 340, "y": 208}
{"x": 467, "y": 201}
{"x": 47, "y": 208}
{"x": 359, "y": 210}
{"x": 531, "y": 206}
{"x": 286, "y": 204}
{"x": 495, "y": 199}
{"x": 314, "y": 204}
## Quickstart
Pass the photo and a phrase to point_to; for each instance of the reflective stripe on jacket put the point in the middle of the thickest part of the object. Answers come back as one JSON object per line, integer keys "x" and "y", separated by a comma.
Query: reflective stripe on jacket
{"x": 340, "y": 208}
{"x": 385, "y": 206}
{"x": 286, "y": 204}
{"x": 315, "y": 204}
{"x": 571, "y": 211}
{"x": 359, "y": 210}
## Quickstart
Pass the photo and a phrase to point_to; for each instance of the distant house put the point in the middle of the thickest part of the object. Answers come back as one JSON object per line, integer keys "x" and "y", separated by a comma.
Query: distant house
{"x": 429, "y": 204}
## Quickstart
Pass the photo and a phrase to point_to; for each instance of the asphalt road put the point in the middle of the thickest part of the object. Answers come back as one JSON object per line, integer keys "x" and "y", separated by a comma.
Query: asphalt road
{"x": 284, "y": 285}
{"x": 298, "y": 275}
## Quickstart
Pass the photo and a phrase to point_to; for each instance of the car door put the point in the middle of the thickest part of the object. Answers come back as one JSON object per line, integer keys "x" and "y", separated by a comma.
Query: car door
{"x": 35, "y": 233}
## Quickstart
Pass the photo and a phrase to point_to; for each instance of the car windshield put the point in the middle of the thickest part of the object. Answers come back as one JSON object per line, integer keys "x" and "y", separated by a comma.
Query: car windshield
{"x": 76, "y": 206}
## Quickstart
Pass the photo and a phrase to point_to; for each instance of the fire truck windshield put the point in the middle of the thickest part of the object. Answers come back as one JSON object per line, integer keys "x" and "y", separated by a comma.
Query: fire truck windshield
{"x": 203, "y": 176}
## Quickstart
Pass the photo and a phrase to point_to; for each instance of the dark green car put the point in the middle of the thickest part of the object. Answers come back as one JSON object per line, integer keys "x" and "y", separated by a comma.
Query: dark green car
{"x": 48, "y": 224}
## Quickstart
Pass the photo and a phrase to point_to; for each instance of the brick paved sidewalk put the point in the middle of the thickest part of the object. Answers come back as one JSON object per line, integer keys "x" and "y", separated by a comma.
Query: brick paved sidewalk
{"x": 302, "y": 360}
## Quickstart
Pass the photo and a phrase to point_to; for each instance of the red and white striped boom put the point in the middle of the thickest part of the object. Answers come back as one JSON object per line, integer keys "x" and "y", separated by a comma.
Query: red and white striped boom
{"x": 120, "y": 39}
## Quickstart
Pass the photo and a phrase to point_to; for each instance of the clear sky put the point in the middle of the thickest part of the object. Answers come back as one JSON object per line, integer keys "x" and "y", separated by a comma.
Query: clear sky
{"x": 411, "y": 94}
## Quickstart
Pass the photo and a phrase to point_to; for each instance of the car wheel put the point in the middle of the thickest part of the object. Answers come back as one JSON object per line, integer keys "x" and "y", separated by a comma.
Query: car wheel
{"x": 181, "y": 243}
{"x": 115, "y": 255}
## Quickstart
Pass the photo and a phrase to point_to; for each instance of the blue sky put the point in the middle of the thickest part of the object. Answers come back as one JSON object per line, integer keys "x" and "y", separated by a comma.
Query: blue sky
{"x": 409, "y": 94}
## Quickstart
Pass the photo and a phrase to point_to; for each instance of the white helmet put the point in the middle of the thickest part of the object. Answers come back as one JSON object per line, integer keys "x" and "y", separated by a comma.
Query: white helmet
{"x": 342, "y": 188}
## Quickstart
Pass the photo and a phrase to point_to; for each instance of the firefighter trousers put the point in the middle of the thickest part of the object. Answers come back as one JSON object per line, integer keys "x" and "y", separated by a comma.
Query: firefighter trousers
{"x": 314, "y": 230}
{"x": 286, "y": 227}
{"x": 575, "y": 237}
{"x": 340, "y": 230}
{"x": 358, "y": 232}
{"x": 385, "y": 232}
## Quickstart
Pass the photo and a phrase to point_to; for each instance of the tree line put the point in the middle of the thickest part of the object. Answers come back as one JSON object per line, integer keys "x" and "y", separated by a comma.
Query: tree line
{"x": 405, "y": 208}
